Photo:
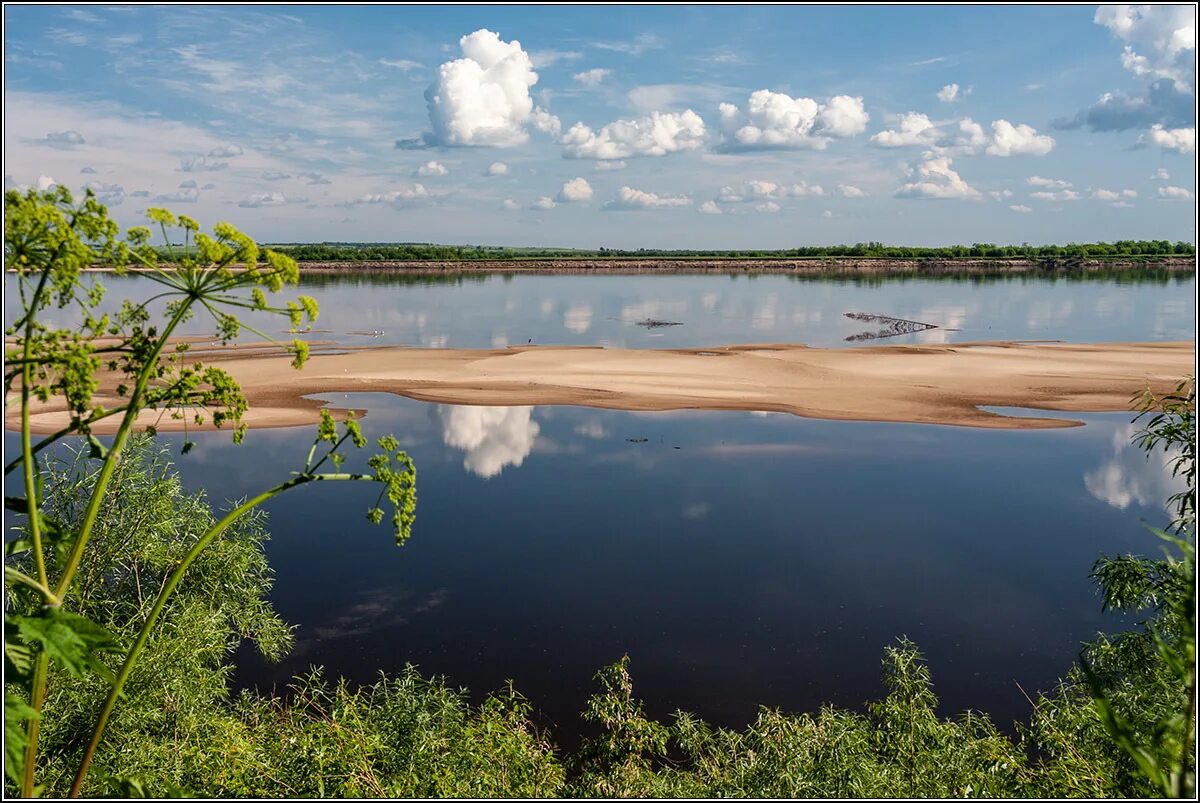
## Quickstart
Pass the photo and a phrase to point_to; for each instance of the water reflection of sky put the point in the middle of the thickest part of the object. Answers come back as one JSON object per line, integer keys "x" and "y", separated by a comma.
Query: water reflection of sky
{"x": 739, "y": 559}
{"x": 496, "y": 311}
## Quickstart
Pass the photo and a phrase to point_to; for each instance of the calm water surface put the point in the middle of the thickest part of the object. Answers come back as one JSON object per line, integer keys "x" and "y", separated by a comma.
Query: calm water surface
{"x": 738, "y": 558}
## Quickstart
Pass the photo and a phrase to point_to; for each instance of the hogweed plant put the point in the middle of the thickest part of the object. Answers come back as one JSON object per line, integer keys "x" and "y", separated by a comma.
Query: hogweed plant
{"x": 49, "y": 243}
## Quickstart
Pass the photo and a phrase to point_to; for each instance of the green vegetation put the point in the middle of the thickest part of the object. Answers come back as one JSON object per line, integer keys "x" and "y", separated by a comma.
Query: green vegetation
{"x": 48, "y": 241}
{"x": 387, "y": 252}
{"x": 182, "y": 732}
{"x": 126, "y": 596}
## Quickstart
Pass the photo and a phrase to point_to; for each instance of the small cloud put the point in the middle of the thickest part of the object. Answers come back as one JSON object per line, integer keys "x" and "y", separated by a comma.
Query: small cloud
{"x": 1161, "y": 174}
{"x": 1020, "y": 208}
{"x": 769, "y": 206}
{"x": 1179, "y": 140}
{"x": 951, "y": 93}
{"x": 828, "y": 215}
{"x": 270, "y": 199}
{"x": 640, "y": 44}
{"x": 1057, "y": 195}
{"x": 934, "y": 178}
{"x": 403, "y": 65}
{"x": 575, "y": 190}
{"x": 432, "y": 168}
{"x": 275, "y": 175}
{"x": 630, "y": 199}
{"x": 592, "y": 77}
{"x": 545, "y": 202}
{"x": 315, "y": 178}
{"x": 1051, "y": 183}
{"x": 1000, "y": 195}
{"x": 201, "y": 164}
{"x": 926, "y": 62}
{"x": 415, "y": 192}
{"x": 1170, "y": 193}
{"x": 88, "y": 170}
{"x": 187, "y": 185}
{"x": 209, "y": 186}
{"x": 710, "y": 208}
{"x": 613, "y": 164}
{"x": 511, "y": 205}
{"x": 226, "y": 151}
{"x": 1113, "y": 195}
{"x": 64, "y": 139}
{"x": 850, "y": 191}
{"x": 547, "y": 58}
{"x": 184, "y": 195}
{"x": 140, "y": 194}
{"x": 497, "y": 169}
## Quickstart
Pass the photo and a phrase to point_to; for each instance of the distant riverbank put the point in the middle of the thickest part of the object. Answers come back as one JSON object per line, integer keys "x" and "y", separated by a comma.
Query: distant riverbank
{"x": 1132, "y": 267}
{"x": 877, "y": 266}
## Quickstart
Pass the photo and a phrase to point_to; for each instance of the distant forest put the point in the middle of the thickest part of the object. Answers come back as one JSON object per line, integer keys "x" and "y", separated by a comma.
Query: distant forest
{"x": 386, "y": 252}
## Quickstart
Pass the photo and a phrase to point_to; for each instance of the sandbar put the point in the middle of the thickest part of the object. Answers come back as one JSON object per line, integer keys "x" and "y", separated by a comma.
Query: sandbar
{"x": 931, "y": 384}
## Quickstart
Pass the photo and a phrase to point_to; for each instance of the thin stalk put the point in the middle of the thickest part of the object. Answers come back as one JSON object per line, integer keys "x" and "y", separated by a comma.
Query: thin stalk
{"x": 164, "y": 594}
{"x": 38, "y": 689}
{"x": 39, "y": 696}
{"x": 114, "y": 454}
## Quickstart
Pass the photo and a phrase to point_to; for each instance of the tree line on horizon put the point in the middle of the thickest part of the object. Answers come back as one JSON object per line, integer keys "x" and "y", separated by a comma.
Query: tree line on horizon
{"x": 373, "y": 252}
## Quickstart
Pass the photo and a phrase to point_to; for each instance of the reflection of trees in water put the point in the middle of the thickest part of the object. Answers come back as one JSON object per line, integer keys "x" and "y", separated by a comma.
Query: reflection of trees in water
{"x": 492, "y": 437}
{"x": 1130, "y": 475}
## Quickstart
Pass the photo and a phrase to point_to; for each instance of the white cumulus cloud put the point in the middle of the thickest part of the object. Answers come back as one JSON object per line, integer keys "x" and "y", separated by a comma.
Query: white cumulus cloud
{"x": 592, "y": 77}
{"x": 1020, "y": 208}
{"x": 1175, "y": 193}
{"x": 710, "y": 208}
{"x": 913, "y": 128}
{"x": 575, "y": 190}
{"x": 545, "y": 202}
{"x": 1018, "y": 140}
{"x": 226, "y": 150}
{"x": 1056, "y": 195}
{"x": 432, "y": 168}
{"x": 1166, "y": 32}
{"x": 405, "y": 194}
{"x": 951, "y": 93}
{"x": 775, "y": 120}
{"x": 1052, "y": 183}
{"x": 1180, "y": 140}
{"x": 483, "y": 98}
{"x": 1161, "y": 174}
{"x": 758, "y": 190}
{"x": 497, "y": 169}
{"x": 934, "y": 178}
{"x": 850, "y": 191}
{"x": 630, "y": 199}
{"x": 657, "y": 134}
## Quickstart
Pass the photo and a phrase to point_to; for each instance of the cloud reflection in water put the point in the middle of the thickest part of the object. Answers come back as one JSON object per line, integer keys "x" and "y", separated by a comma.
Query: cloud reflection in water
{"x": 492, "y": 437}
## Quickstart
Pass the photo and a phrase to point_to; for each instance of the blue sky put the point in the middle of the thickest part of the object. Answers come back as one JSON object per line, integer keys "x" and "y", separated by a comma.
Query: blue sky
{"x": 617, "y": 126}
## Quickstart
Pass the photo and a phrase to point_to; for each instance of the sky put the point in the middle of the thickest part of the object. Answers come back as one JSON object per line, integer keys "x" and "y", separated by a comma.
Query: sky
{"x": 618, "y": 126}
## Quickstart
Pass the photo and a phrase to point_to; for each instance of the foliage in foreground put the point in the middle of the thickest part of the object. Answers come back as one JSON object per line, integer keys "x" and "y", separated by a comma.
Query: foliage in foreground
{"x": 182, "y": 732}
{"x": 49, "y": 242}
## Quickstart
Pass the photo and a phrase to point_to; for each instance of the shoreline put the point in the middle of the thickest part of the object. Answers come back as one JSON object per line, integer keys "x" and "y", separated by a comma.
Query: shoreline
{"x": 943, "y": 384}
{"x": 798, "y": 266}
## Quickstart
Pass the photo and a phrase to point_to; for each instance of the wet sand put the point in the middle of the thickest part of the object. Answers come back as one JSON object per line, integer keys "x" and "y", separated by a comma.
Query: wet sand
{"x": 937, "y": 384}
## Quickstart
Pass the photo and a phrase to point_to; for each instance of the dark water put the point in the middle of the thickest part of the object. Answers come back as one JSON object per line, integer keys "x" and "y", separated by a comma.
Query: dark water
{"x": 739, "y": 559}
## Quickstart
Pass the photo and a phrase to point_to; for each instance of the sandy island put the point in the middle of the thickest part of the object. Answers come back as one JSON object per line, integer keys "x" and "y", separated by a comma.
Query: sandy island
{"x": 940, "y": 384}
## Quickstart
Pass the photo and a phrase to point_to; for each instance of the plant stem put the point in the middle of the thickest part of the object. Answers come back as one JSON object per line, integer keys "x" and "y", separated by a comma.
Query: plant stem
{"x": 114, "y": 454}
{"x": 39, "y": 695}
{"x": 167, "y": 589}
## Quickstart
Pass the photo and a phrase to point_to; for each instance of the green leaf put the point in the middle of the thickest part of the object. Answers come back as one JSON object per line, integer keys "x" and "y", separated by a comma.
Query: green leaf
{"x": 69, "y": 639}
{"x": 16, "y": 712}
